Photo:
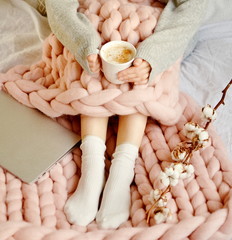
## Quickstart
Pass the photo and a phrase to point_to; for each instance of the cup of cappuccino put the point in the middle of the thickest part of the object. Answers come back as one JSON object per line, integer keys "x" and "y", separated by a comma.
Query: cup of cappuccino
{"x": 116, "y": 56}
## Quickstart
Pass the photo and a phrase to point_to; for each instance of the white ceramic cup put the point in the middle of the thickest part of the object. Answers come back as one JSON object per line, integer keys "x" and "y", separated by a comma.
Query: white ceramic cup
{"x": 116, "y": 56}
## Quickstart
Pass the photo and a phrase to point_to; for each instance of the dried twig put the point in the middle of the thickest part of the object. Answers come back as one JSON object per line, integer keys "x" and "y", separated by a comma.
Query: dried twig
{"x": 224, "y": 91}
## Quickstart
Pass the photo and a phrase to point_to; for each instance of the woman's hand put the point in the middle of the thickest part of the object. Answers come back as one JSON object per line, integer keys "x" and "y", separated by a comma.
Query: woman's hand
{"x": 94, "y": 63}
{"x": 138, "y": 74}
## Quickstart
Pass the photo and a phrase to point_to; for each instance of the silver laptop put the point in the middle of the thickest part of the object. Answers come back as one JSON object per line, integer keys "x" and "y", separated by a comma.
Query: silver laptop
{"x": 30, "y": 142}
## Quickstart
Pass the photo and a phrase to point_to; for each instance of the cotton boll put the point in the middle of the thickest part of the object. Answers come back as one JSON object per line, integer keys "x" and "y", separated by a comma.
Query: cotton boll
{"x": 179, "y": 167}
{"x": 190, "y": 135}
{"x": 154, "y": 195}
{"x": 163, "y": 215}
{"x": 190, "y": 126}
{"x": 188, "y": 171}
{"x": 174, "y": 181}
{"x": 190, "y": 130}
{"x": 161, "y": 203}
{"x": 159, "y": 217}
{"x": 199, "y": 130}
{"x": 164, "y": 179}
{"x": 182, "y": 155}
{"x": 170, "y": 175}
{"x": 179, "y": 153}
{"x": 189, "y": 168}
{"x": 169, "y": 171}
{"x": 175, "y": 174}
{"x": 203, "y": 136}
{"x": 209, "y": 113}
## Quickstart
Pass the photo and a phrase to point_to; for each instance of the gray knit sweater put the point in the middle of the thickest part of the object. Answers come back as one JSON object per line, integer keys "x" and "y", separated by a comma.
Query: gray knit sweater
{"x": 177, "y": 25}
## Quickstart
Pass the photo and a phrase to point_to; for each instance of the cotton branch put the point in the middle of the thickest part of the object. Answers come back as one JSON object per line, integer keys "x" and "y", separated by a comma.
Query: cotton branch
{"x": 181, "y": 168}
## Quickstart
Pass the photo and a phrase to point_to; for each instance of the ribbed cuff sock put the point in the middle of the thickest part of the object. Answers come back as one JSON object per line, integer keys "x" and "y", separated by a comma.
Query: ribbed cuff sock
{"x": 115, "y": 206}
{"x": 82, "y": 206}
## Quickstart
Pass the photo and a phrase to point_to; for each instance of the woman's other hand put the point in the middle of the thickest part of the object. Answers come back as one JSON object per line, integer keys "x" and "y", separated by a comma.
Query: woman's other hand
{"x": 138, "y": 74}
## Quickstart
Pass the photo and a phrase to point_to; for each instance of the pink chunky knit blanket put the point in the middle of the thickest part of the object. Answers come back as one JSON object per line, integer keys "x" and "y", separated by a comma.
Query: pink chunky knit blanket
{"x": 57, "y": 86}
{"x": 201, "y": 205}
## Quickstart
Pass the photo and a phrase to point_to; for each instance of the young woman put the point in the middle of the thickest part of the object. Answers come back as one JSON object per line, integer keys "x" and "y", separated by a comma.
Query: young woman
{"x": 174, "y": 32}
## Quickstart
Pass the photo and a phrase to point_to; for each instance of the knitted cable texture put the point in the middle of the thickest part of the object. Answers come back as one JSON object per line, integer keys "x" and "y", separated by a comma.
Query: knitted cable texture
{"x": 201, "y": 205}
{"x": 57, "y": 85}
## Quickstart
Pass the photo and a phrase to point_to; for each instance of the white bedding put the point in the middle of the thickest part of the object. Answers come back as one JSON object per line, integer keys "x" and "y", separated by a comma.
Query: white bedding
{"x": 207, "y": 71}
{"x": 204, "y": 73}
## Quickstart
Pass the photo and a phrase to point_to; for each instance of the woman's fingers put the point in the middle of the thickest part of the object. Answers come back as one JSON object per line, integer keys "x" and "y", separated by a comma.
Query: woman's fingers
{"x": 138, "y": 73}
{"x": 134, "y": 77}
{"x": 138, "y": 61}
{"x": 94, "y": 63}
{"x": 141, "y": 82}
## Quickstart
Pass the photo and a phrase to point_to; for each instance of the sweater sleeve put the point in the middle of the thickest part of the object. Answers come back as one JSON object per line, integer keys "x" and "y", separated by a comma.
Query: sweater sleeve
{"x": 73, "y": 29}
{"x": 176, "y": 26}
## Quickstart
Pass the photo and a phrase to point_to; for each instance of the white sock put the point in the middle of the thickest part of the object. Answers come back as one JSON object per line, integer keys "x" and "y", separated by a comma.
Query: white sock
{"x": 82, "y": 206}
{"x": 115, "y": 205}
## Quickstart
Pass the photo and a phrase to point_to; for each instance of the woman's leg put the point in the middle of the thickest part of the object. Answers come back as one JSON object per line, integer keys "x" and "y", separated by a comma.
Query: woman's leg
{"x": 131, "y": 129}
{"x": 115, "y": 204}
{"x": 82, "y": 206}
{"x": 94, "y": 126}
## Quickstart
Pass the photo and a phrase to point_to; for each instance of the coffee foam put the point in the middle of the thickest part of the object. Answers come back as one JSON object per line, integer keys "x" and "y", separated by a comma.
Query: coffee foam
{"x": 118, "y": 54}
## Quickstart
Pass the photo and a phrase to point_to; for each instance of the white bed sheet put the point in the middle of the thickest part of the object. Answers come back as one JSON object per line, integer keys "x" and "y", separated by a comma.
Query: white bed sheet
{"x": 204, "y": 73}
{"x": 207, "y": 71}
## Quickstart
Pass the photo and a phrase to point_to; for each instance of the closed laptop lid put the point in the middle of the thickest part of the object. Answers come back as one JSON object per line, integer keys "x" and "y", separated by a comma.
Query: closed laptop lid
{"x": 30, "y": 142}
